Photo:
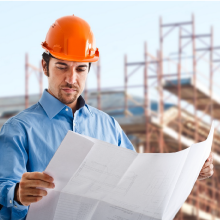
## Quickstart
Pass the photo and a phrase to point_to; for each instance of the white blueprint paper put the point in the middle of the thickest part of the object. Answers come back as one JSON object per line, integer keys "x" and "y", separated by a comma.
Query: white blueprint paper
{"x": 96, "y": 180}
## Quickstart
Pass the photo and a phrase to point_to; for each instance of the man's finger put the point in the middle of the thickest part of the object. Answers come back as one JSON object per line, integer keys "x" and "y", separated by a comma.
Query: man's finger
{"x": 31, "y": 199}
{"x": 210, "y": 158}
{"x": 38, "y": 176}
{"x": 34, "y": 192}
{"x": 206, "y": 164}
{"x": 207, "y": 169}
{"x": 36, "y": 183}
{"x": 207, "y": 174}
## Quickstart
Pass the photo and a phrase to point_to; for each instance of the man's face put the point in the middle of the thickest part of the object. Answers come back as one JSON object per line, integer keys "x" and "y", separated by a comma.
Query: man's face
{"x": 66, "y": 79}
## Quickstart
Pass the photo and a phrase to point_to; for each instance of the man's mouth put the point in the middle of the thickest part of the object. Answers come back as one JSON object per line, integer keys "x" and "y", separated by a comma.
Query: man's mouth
{"x": 69, "y": 90}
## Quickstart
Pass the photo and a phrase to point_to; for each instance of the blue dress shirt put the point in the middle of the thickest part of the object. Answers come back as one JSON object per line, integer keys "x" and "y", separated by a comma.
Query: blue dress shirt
{"x": 29, "y": 140}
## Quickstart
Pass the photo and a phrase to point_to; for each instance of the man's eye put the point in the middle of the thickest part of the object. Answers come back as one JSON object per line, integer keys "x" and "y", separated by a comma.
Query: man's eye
{"x": 61, "y": 68}
{"x": 81, "y": 70}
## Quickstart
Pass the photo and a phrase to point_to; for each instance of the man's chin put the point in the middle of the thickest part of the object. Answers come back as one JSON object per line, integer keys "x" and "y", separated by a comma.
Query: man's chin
{"x": 68, "y": 100}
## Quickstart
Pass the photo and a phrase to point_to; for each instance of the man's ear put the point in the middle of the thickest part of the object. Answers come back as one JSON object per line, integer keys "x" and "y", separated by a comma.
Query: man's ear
{"x": 44, "y": 66}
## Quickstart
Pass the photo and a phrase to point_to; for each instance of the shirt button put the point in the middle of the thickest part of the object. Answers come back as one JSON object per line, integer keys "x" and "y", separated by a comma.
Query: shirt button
{"x": 74, "y": 124}
{"x": 10, "y": 201}
{"x": 15, "y": 206}
{"x": 67, "y": 109}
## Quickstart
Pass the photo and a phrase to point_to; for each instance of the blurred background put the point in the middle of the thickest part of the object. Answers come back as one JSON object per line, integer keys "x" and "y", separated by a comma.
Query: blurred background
{"x": 158, "y": 74}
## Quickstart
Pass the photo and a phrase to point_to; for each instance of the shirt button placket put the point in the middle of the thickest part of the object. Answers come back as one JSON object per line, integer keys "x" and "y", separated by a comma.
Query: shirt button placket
{"x": 74, "y": 126}
{"x": 74, "y": 121}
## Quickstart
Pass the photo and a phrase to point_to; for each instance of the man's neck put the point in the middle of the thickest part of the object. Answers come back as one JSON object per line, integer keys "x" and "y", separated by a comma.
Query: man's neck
{"x": 74, "y": 106}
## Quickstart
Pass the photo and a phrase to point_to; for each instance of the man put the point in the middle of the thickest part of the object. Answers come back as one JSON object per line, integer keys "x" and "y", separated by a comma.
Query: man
{"x": 29, "y": 140}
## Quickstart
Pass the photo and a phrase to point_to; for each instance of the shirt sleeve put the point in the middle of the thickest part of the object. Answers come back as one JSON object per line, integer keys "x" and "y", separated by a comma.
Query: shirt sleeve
{"x": 123, "y": 140}
{"x": 13, "y": 160}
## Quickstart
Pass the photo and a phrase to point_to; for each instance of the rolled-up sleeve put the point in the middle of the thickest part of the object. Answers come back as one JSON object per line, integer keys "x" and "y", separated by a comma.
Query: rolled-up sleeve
{"x": 13, "y": 160}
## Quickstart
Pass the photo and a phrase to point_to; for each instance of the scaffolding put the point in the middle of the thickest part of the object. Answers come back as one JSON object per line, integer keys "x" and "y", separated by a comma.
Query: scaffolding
{"x": 169, "y": 130}
{"x": 184, "y": 123}
{"x": 29, "y": 69}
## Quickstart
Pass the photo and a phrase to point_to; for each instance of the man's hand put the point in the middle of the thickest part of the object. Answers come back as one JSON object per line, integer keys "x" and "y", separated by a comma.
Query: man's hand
{"x": 207, "y": 169}
{"x": 27, "y": 191}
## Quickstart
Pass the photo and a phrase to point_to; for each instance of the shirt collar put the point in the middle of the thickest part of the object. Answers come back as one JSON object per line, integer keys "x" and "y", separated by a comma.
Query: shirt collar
{"x": 52, "y": 106}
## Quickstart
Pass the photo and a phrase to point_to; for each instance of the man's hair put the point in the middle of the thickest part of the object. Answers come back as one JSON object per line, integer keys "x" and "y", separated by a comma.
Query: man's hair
{"x": 47, "y": 57}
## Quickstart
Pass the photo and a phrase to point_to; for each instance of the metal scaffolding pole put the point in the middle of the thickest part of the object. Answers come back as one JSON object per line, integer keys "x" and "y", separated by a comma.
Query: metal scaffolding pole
{"x": 146, "y": 101}
{"x": 29, "y": 68}
{"x": 125, "y": 86}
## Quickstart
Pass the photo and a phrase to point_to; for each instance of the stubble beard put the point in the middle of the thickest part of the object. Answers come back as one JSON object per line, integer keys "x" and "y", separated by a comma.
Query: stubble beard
{"x": 66, "y": 98}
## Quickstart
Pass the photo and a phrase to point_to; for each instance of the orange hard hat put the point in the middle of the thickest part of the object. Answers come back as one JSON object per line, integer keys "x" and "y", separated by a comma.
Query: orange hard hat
{"x": 70, "y": 38}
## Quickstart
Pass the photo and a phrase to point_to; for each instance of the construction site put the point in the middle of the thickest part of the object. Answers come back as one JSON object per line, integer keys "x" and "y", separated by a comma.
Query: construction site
{"x": 179, "y": 102}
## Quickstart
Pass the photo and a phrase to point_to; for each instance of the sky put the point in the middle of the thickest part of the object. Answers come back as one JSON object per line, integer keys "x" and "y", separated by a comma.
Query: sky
{"x": 119, "y": 28}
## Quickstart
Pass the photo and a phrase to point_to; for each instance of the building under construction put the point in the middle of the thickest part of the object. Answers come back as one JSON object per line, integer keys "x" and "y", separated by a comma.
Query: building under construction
{"x": 180, "y": 114}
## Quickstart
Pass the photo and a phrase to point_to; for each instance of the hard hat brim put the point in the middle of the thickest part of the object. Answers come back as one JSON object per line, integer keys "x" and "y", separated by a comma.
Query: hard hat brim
{"x": 71, "y": 58}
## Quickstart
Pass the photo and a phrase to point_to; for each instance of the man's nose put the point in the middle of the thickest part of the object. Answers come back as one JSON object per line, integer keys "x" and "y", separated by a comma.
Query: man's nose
{"x": 71, "y": 77}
